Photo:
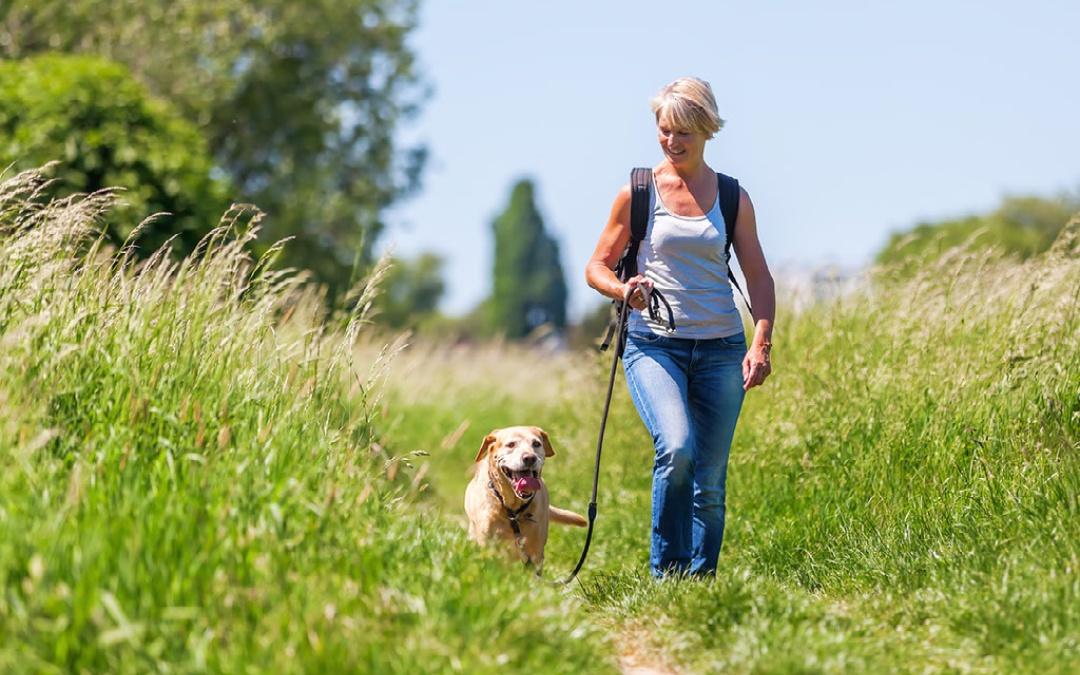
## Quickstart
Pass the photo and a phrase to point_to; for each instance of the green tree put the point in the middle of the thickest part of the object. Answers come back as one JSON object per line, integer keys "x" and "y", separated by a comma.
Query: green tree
{"x": 590, "y": 327}
{"x": 107, "y": 131}
{"x": 1022, "y": 226}
{"x": 411, "y": 291}
{"x": 529, "y": 288}
{"x": 299, "y": 101}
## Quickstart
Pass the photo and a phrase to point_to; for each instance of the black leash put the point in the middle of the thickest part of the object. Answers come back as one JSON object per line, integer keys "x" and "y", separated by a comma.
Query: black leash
{"x": 653, "y": 300}
{"x": 620, "y": 344}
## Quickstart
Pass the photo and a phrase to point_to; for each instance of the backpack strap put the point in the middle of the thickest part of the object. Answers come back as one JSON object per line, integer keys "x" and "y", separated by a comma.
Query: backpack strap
{"x": 640, "y": 199}
{"x": 729, "y": 207}
{"x": 730, "y": 193}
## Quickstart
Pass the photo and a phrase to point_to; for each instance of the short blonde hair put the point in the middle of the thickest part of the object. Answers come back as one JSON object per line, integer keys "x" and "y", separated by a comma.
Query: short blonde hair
{"x": 688, "y": 103}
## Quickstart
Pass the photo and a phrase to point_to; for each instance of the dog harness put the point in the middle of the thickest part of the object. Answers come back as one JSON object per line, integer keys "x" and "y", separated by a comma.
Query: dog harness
{"x": 513, "y": 515}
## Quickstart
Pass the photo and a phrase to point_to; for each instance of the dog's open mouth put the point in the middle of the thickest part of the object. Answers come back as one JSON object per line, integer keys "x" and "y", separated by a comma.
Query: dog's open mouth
{"x": 525, "y": 482}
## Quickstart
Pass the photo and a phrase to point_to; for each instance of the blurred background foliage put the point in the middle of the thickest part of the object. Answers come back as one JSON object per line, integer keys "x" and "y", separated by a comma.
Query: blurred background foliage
{"x": 529, "y": 288}
{"x": 107, "y": 131}
{"x": 1020, "y": 226}
{"x": 410, "y": 291}
{"x": 298, "y": 102}
{"x": 297, "y": 108}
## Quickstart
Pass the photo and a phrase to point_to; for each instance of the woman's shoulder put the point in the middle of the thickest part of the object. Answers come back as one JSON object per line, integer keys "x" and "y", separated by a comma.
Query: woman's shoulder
{"x": 622, "y": 197}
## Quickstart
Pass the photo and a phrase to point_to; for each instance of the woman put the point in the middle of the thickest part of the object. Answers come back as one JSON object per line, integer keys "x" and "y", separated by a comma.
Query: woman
{"x": 688, "y": 387}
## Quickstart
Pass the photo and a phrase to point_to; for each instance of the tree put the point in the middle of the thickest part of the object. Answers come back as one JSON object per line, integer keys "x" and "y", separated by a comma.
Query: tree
{"x": 529, "y": 287}
{"x": 299, "y": 101}
{"x": 107, "y": 131}
{"x": 1022, "y": 226}
{"x": 411, "y": 291}
{"x": 591, "y": 326}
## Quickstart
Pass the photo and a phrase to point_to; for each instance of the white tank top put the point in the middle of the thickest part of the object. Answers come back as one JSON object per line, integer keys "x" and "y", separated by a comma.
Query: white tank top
{"x": 684, "y": 258}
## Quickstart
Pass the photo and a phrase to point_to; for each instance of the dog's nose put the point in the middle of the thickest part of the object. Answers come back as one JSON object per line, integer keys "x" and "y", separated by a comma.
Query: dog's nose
{"x": 529, "y": 460}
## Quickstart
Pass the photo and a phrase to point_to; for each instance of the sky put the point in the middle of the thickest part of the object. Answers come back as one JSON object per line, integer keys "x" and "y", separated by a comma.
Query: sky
{"x": 845, "y": 121}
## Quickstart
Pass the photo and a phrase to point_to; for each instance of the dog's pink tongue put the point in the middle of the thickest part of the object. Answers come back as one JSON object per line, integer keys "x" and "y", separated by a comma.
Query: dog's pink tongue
{"x": 527, "y": 484}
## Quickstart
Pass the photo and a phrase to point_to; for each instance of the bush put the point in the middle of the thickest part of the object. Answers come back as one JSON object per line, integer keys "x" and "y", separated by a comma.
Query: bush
{"x": 106, "y": 131}
{"x": 1020, "y": 227}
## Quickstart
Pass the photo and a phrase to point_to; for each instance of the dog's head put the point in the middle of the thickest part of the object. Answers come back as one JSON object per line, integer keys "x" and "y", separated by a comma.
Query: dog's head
{"x": 515, "y": 457}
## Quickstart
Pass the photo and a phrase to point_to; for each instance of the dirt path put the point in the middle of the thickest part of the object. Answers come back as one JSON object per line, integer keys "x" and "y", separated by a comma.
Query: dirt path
{"x": 629, "y": 667}
{"x": 636, "y": 657}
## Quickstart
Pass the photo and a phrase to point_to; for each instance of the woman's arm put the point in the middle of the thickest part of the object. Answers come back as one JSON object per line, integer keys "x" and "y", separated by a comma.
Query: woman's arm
{"x": 599, "y": 272}
{"x": 759, "y": 284}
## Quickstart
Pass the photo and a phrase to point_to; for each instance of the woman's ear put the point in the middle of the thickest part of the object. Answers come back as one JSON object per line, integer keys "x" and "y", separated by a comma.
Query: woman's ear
{"x": 489, "y": 441}
{"x": 548, "y": 450}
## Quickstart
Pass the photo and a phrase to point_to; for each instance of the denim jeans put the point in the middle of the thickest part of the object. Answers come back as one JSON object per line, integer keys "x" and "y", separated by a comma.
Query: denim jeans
{"x": 688, "y": 393}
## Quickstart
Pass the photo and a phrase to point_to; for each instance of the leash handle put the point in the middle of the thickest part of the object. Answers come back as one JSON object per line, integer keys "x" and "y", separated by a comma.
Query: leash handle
{"x": 600, "y": 439}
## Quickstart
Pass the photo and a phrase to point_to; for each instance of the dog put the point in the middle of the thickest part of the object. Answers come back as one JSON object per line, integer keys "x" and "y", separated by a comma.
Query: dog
{"x": 507, "y": 500}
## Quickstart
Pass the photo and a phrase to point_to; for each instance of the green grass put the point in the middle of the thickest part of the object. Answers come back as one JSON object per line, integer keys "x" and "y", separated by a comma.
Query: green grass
{"x": 205, "y": 473}
{"x": 195, "y": 479}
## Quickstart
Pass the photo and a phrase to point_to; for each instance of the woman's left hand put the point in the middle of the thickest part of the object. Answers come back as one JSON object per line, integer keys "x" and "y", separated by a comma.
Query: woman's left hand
{"x": 756, "y": 365}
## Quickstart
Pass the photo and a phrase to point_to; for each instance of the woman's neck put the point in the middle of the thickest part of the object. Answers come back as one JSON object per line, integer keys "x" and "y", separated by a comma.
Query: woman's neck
{"x": 688, "y": 172}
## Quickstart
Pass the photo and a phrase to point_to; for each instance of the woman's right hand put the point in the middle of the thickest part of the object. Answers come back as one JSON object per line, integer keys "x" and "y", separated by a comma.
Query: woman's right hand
{"x": 638, "y": 289}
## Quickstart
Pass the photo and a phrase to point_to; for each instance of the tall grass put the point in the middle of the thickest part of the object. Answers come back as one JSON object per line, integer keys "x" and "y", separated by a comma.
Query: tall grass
{"x": 195, "y": 480}
{"x": 902, "y": 496}
{"x": 201, "y": 474}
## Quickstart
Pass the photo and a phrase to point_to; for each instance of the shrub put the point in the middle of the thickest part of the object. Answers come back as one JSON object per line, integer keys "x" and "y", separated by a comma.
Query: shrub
{"x": 105, "y": 130}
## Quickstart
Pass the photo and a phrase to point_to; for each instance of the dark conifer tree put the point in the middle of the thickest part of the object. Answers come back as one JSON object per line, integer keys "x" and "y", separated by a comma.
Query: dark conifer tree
{"x": 529, "y": 286}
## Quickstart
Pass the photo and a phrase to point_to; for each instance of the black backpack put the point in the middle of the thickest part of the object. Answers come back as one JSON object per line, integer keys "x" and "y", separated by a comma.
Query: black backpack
{"x": 640, "y": 197}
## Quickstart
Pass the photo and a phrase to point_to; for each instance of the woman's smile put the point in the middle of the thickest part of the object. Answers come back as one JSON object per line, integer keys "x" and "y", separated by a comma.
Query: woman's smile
{"x": 679, "y": 144}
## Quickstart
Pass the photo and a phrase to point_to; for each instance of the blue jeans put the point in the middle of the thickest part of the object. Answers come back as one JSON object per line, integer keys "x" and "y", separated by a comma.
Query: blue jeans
{"x": 688, "y": 393}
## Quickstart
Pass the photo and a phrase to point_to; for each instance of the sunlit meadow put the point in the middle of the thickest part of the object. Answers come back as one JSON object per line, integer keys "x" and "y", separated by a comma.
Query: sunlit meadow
{"x": 203, "y": 471}
{"x": 194, "y": 480}
{"x": 903, "y": 494}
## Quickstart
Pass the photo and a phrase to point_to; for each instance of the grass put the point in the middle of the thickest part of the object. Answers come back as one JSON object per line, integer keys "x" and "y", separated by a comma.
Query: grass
{"x": 903, "y": 495}
{"x": 195, "y": 478}
{"x": 205, "y": 473}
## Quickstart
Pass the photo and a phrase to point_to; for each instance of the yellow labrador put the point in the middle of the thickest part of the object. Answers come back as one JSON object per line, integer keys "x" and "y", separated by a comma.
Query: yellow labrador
{"x": 507, "y": 500}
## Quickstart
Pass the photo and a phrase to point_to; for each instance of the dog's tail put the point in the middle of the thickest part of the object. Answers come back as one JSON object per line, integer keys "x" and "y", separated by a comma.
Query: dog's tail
{"x": 567, "y": 517}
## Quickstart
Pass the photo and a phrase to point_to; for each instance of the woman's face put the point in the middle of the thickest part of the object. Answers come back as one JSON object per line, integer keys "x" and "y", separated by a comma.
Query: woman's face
{"x": 680, "y": 145}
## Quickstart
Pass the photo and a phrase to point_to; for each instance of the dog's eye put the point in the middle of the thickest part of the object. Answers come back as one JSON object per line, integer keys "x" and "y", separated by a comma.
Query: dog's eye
{"x": 536, "y": 444}
{"x": 511, "y": 444}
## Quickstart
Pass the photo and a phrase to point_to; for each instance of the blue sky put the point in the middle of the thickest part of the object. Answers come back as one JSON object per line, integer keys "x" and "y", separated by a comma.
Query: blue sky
{"x": 845, "y": 120}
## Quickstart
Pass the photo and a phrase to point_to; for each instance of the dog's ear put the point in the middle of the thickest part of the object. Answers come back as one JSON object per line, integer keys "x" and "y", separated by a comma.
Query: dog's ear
{"x": 548, "y": 450}
{"x": 489, "y": 441}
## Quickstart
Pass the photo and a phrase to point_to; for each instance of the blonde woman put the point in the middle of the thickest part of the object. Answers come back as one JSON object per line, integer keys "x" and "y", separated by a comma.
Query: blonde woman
{"x": 688, "y": 386}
